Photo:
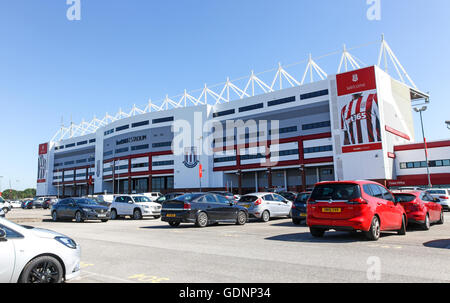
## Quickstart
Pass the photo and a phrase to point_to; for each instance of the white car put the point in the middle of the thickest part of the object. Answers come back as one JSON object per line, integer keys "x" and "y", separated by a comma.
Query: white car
{"x": 136, "y": 206}
{"x": 264, "y": 206}
{"x": 5, "y": 206}
{"x": 33, "y": 255}
{"x": 153, "y": 196}
{"x": 443, "y": 194}
{"x": 16, "y": 204}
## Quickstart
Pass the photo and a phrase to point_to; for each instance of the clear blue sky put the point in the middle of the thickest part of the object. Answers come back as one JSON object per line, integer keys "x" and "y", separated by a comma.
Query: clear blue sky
{"x": 124, "y": 52}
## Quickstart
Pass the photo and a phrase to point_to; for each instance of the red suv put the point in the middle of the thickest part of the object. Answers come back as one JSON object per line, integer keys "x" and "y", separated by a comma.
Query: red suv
{"x": 421, "y": 208}
{"x": 352, "y": 206}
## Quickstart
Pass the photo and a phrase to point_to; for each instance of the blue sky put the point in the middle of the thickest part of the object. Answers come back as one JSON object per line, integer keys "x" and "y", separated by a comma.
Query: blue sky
{"x": 125, "y": 52}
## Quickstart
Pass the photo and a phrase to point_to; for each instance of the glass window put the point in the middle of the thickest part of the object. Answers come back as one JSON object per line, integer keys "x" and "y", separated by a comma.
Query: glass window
{"x": 278, "y": 198}
{"x": 404, "y": 197}
{"x": 10, "y": 233}
{"x": 222, "y": 199}
{"x": 268, "y": 198}
{"x": 210, "y": 199}
{"x": 140, "y": 199}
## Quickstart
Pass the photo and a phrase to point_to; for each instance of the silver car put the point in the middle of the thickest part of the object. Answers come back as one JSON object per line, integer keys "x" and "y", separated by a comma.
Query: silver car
{"x": 443, "y": 195}
{"x": 264, "y": 206}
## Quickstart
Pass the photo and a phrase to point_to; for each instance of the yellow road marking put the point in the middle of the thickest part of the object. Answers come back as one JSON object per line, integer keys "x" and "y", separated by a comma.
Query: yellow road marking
{"x": 148, "y": 279}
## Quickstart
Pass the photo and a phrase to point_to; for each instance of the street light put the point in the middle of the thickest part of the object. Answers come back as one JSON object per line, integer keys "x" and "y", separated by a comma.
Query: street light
{"x": 448, "y": 124}
{"x": 420, "y": 110}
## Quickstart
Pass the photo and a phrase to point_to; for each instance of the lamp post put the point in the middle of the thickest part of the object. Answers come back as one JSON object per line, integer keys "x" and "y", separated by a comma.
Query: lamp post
{"x": 448, "y": 124}
{"x": 420, "y": 110}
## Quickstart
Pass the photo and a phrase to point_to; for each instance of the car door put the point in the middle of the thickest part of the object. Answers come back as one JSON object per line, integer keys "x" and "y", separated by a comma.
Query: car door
{"x": 7, "y": 257}
{"x": 284, "y": 206}
{"x": 271, "y": 205}
{"x": 127, "y": 206}
{"x": 394, "y": 209}
{"x": 382, "y": 208}
{"x": 211, "y": 206}
{"x": 431, "y": 206}
{"x": 226, "y": 210}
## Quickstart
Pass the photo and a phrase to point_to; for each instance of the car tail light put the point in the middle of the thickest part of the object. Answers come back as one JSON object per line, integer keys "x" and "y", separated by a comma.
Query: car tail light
{"x": 258, "y": 202}
{"x": 443, "y": 197}
{"x": 358, "y": 201}
{"x": 187, "y": 206}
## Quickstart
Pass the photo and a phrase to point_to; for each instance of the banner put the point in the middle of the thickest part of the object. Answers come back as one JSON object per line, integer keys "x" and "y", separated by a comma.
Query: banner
{"x": 42, "y": 163}
{"x": 359, "y": 111}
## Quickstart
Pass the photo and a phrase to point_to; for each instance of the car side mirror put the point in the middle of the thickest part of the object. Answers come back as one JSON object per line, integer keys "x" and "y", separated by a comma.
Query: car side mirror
{"x": 3, "y": 235}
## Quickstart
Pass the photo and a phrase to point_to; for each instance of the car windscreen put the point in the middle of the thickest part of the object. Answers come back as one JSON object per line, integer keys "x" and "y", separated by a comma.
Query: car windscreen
{"x": 188, "y": 197}
{"x": 404, "y": 198}
{"x": 141, "y": 199}
{"x": 340, "y": 191}
{"x": 248, "y": 199}
{"x": 85, "y": 201}
{"x": 302, "y": 198}
{"x": 2, "y": 200}
{"x": 436, "y": 192}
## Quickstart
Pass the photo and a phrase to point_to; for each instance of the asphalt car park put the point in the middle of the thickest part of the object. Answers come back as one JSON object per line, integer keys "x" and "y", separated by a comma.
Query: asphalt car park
{"x": 150, "y": 251}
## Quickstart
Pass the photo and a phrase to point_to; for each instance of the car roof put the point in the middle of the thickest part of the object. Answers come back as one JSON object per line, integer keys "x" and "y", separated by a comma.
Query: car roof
{"x": 408, "y": 192}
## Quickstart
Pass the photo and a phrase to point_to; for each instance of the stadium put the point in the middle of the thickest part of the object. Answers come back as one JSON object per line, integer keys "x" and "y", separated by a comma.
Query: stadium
{"x": 353, "y": 124}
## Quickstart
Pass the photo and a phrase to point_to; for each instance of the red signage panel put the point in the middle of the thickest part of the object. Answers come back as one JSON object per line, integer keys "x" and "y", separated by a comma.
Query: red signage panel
{"x": 356, "y": 81}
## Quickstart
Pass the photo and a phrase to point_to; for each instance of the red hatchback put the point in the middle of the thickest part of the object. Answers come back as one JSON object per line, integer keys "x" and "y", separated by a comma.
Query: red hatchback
{"x": 352, "y": 206}
{"x": 421, "y": 208}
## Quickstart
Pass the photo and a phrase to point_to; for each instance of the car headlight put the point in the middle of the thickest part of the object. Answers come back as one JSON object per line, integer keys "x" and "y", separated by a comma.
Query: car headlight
{"x": 68, "y": 242}
{"x": 87, "y": 210}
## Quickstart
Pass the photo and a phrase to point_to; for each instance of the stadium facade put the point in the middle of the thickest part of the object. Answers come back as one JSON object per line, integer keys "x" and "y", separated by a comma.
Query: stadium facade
{"x": 356, "y": 124}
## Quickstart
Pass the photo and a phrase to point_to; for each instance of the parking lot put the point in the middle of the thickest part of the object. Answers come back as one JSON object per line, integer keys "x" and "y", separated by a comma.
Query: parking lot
{"x": 151, "y": 251}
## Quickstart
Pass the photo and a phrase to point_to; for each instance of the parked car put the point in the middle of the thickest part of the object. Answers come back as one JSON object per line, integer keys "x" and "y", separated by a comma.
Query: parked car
{"x": 226, "y": 194}
{"x": 299, "y": 208}
{"x": 16, "y": 204}
{"x": 4, "y": 205}
{"x": 105, "y": 200}
{"x": 136, "y": 206}
{"x": 202, "y": 209}
{"x": 290, "y": 195}
{"x": 27, "y": 204}
{"x": 421, "y": 208}
{"x": 49, "y": 202}
{"x": 167, "y": 197}
{"x": 153, "y": 196}
{"x": 33, "y": 255}
{"x": 267, "y": 205}
{"x": 443, "y": 195}
{"x": 38, "y": 202}
{"x": 354, "y": 205}
{"x": 80, "y": 209}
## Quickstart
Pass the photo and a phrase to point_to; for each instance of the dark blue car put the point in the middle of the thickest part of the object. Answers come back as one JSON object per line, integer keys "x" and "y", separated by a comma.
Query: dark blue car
{"x": 80, "y": 209}
{"x": 202, "y": 209}
{"x": 299, "y": 208}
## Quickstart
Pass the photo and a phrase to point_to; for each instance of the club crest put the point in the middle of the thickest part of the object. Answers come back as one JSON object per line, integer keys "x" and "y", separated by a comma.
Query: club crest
{"x": 190, "y": 157}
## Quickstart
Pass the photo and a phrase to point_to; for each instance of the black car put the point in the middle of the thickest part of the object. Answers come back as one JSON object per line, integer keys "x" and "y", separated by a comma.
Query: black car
{"x": 80, "y": 209}
{"x": 168, "y": 197}
{"x": 226, "y": 194}
{"x": 202, "y": 209}
{"x": 290, "y": 195}
{"x": 299, "y": 208}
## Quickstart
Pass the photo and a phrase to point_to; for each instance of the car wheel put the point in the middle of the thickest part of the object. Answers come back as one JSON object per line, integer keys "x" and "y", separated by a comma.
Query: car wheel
{"x": 374, "y": 232}
{"x": 137, "y": 215}
{"x": 202, "y": 220}
{"x": 78, "y": 217}
{"x": 402, "y": 230}
{"x": 174, "y": 223}
{"x": 241, "y": 218}
{"x": 54, "y": 216}
{"x": 441, "y": 221}
{"x": 426, "y": 225}
{"x": 114, "y": 214}
{"x": 43, "y": 269}
{"x": 296, "y": 221}
{"x": 265, "y": 217}
{"x": 5, "y": 210}
{"x": 316, "y": 232}
{"x": 104, "y": 221}
{"x": 290, "y": 214}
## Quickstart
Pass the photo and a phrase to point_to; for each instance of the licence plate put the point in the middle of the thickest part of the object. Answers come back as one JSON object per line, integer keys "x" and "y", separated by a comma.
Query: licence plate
{"x": 303, "y": 215}
{"x": 331, "y": 210}
{"x": 171, "y": 215}
{"x": 101, "y": 215}
{"x": 246, "y": 205}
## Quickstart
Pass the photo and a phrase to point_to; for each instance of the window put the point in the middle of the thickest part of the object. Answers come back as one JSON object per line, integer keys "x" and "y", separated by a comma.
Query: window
{"x": 281, "y": 101}
{"x": 318, "y": 149}
{"x": 422, "y": 164}
{"x": 82, "y": 143}
{"x": 92, "y": 141}
{"x": 284, "y": 130}
{"x": 252, "y": 157}
{"x": 139, "y": 165}
{"x": 108, "y": 153}
{"x": 108, "y": 132}
{"x": 268, "y": 198}
{"x": 81, "y": 161}
{"x": 162, "y": 144}
{"x": 70, "y": 145}
{"x": 140, "y": 147}
{"x": 69, "y": 163}
{"x": 285, "y": 153}
{"x": 124, "y": 127}
{"x": 121, "y": 150}
{"x": 225, "y": 159}
{"x": 138, "y": 124}
{"x": 314, "y": 94}
{"x": 316, "y": 125}
{"x": 210, "y": 199}
{"x": 224, "y": 113}
{"x": 251, "y": 107}
{"x": 375, "y": 191}
{"x": 11, "y": 234}
{"x": 162, "y": 120}
{"x": 222, "y": 199}
{"x": 163, "y": 163}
